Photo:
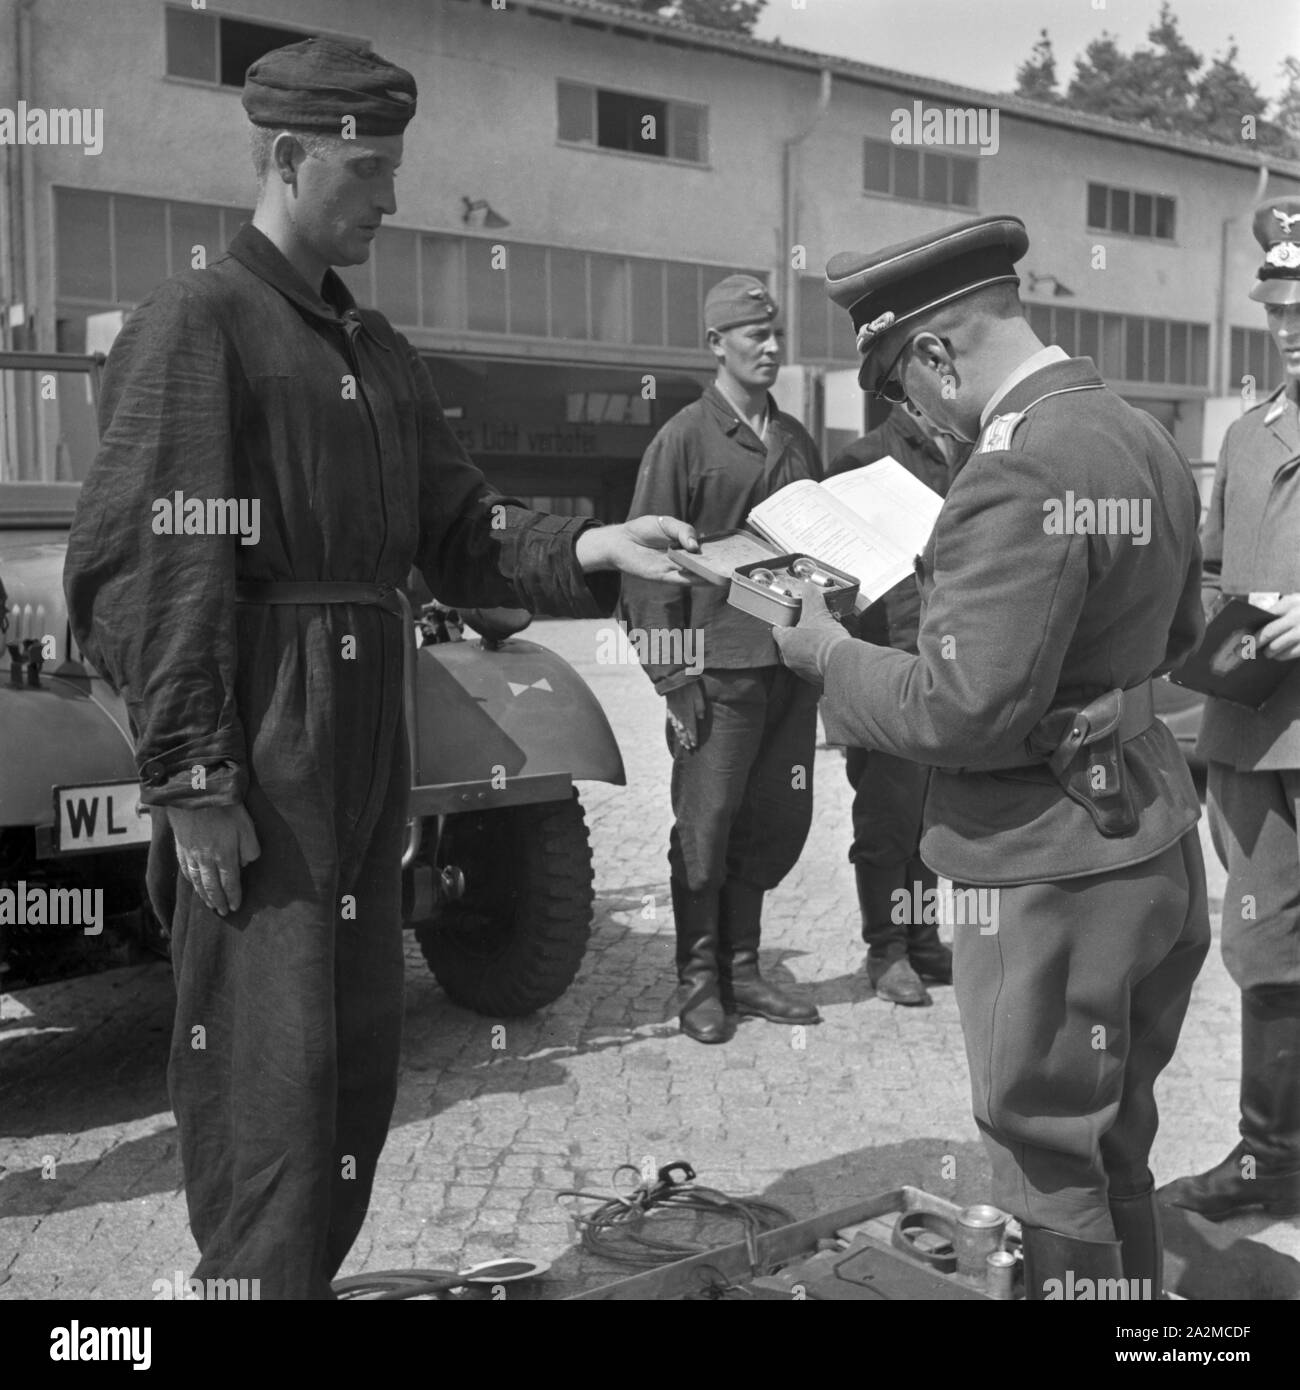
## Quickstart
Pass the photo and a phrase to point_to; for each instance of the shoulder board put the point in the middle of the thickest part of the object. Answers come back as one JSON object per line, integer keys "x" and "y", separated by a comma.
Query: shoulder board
{"x": 997, "y": 433}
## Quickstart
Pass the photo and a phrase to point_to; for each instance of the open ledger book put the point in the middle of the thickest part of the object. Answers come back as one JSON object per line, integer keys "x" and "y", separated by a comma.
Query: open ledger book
{"x": 871, "y": 523}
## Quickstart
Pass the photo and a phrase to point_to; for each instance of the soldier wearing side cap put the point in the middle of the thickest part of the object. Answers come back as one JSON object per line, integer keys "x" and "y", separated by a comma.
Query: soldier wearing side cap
{"x": 1030, "y": 697}
{"x": 276, "y": 768}
{"x": 1253, "y": 758}
{"x": 742, "y": 729}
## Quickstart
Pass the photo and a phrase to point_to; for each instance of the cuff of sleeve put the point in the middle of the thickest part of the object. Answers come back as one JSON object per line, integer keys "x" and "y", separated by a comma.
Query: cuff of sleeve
{"x": 164, "y": 783}
{"x": 673, "y": 680}
{"x": 549, "y": 550}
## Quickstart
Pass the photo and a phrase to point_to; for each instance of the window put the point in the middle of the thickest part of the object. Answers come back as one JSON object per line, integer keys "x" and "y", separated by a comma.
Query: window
{"x": 634, "y": 124}
{"x": 1252, "y": 354}
{"x": 111, "y": 250}
{"x": 214, "y": 48}
{"x": 1126, "y": 347}
{"x": 925, "y": 176}
{"x": 825, "y": 330}
{"x": 1130, "y": 212}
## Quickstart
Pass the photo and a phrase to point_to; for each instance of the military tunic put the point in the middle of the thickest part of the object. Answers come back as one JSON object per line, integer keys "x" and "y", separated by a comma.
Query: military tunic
{"x": 740, "y": 809}
{"x": 1254, "y": 755}
{"x": 1073, "y": 977}
{"x": 240, "y": 381}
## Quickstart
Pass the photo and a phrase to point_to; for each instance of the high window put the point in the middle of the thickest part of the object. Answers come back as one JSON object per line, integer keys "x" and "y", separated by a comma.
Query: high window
{"x": 206, "y": 47}
{"x": 634, "y": 124}
{"x": 1128, "y": 347}
{"x": 1130, "y": 212}
{"x": 919, "y": 175}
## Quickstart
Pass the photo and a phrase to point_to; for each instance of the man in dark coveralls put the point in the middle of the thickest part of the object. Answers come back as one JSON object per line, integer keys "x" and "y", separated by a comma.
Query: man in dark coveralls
{"x": 1058, "y": 804}
{"x": 903, "y": 946}
{"x": 742, "y": 729}
{"x": 264, "y": 681}
{"x": 1254, "y": 760}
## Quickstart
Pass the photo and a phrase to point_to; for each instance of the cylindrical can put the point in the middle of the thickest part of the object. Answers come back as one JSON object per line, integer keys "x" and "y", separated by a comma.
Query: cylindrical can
{"x": 979, "y": 1233}
{"x": 1000, "y": 1274}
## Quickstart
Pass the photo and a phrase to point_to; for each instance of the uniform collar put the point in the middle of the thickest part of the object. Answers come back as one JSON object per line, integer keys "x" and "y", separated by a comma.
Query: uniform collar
{"x": 1044, "y": 357}
{"x": 730, "y": 422}
{"x": 258, "y": 253}
{"x": 1062, "y": 373}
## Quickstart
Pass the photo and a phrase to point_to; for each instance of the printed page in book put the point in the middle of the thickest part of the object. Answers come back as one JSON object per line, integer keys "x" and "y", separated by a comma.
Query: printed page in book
{"x": 871, "y": 522}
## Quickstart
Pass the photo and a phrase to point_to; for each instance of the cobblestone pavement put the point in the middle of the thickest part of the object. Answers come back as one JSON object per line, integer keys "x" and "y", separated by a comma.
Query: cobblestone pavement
{"x": 483, "y": 1136}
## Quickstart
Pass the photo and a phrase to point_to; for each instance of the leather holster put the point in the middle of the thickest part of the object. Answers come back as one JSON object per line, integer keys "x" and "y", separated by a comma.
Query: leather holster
{"x": 1084, "y": 750}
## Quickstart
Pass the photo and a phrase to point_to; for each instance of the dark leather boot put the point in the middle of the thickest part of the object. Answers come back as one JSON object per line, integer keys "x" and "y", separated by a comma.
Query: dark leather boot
{"x": 1263, "y": 1171}
{"x": 695, "y": 916}
{"x": 1137, "y": 1224}
{"x": 891, "y": 974}
{"x": 928, "y": 956}
{"x": 1057, "y": 1266}
{"x": 744, "y": 990}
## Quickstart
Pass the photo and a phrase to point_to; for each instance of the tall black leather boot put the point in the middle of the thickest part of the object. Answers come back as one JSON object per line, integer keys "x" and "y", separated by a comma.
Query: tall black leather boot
{"x": 1058, "y": 1266}
{"x": 744, "y": 990}
{"x": 1263, "y": 1171}
{"x": 928, "y": 956}
{"x": 1137, "y": 1224}
{"x": 695, "y": 916}
{"x": 888, "y": 968}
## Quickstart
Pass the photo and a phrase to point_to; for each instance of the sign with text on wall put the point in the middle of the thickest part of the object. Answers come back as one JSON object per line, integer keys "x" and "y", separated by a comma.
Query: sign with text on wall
{"x": 596, "y": 424}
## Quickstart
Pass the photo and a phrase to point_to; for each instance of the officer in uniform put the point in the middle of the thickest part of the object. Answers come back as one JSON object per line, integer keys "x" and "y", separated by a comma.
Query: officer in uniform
{"x": 1058, "y": 804}
{"x": 264, "y": 679}
{"x": 742, "y": 730}
{"x": 904, "y": 950}
{"x": 1254, "y": 760}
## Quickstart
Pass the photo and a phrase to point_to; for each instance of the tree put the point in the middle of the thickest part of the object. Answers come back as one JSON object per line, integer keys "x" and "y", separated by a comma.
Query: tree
{"x": 1158, "y": 87}
{"x": 1036, "y": 76}
{"x": 734, "y": 16}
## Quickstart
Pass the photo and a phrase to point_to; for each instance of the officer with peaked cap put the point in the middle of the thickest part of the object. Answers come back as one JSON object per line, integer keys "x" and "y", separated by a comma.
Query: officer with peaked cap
{"x": 1254, "y": 759}
{"x": 1058, "y": 805}
{"x": 742, "y": 730}
{"x": 264, "y": 680}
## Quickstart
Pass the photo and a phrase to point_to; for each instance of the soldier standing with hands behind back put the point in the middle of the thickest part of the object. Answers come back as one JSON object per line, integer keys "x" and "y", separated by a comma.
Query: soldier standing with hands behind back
{"x": 1254, "y": 760}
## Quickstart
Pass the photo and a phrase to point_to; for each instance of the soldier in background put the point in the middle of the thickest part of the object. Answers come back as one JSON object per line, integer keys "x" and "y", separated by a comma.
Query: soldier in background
{"x": 740, "y": 725}
{"x": 1253, "y": 758}
{"x": 889, "y": 792}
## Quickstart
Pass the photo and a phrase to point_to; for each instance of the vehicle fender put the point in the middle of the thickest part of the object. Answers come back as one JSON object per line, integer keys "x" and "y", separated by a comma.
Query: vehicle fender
{"x": 57, "y": 734}
{"x": 519, "y": 708}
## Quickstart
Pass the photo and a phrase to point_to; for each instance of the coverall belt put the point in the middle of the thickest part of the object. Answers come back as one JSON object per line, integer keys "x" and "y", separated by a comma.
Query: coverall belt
{"x": 383, "y": 596}
{"x": 1136, "y": 715}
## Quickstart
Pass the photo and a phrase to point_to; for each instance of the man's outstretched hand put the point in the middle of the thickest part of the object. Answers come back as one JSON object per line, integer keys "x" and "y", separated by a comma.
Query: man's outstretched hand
{"x": 212, "y": 843}
{"x": 638, "y": 548}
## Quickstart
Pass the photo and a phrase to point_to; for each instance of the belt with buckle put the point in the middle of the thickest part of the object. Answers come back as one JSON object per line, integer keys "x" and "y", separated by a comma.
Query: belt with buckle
{"x": 1136, "y": 715}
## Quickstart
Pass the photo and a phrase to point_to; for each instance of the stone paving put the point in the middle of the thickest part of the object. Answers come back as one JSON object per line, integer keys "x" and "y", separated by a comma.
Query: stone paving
{"x": 484, "y": 1135}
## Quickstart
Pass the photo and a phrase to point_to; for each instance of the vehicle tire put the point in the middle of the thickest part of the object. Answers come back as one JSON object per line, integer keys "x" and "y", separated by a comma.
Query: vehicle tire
{"x": 513, "y": 943}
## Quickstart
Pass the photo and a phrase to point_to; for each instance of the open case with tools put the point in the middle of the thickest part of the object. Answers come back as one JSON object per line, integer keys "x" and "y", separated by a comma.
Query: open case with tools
{"x": 900, "y": 1245}
{"x": 764, "y": 583}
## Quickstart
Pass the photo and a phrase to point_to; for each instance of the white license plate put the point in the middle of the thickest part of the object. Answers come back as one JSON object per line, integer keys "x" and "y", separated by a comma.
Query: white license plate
{"x": 99, "y": 816}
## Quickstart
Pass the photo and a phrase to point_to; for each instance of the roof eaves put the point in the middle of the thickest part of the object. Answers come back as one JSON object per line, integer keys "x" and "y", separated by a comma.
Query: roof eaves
{"x": 679, "y": 32}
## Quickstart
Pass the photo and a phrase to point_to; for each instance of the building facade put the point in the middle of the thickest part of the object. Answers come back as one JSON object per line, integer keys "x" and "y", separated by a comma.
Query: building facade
{"x": 576, "y": 179}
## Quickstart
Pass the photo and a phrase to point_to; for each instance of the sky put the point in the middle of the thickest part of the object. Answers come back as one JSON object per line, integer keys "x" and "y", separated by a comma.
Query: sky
{"x": 983, "y": 42}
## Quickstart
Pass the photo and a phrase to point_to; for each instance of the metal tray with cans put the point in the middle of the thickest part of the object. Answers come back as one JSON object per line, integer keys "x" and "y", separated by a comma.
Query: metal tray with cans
{"x": 771, "y": 589}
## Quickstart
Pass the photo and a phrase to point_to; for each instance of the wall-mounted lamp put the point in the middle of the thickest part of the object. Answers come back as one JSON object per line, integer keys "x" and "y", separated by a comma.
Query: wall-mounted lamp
{"x": 491, "y": 218}
{"x": 1059, "y": 291}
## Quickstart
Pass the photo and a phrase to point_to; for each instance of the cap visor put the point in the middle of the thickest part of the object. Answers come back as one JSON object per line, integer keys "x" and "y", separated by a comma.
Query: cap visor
{"x": 1276, "y": 292}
